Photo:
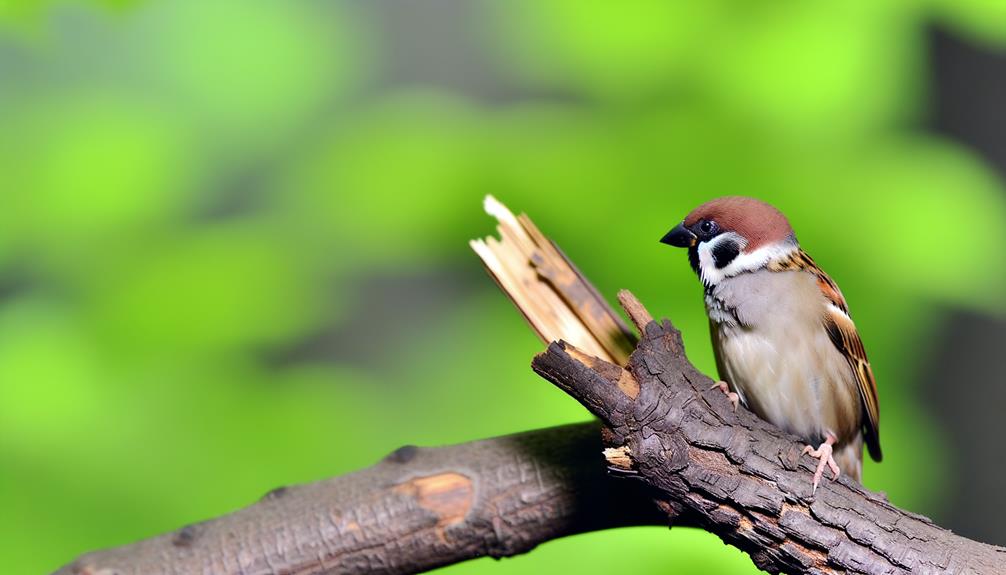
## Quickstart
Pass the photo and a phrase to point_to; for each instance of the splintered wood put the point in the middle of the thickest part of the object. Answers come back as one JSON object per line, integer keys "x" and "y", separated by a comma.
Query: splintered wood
{"x": 554, "y": 297}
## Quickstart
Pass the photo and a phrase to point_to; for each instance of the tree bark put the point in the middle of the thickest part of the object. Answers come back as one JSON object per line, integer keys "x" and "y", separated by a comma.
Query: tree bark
{"x": 696, "y": 461}
{"x": 417, "y": 509}
{"x": 742, "y": 478}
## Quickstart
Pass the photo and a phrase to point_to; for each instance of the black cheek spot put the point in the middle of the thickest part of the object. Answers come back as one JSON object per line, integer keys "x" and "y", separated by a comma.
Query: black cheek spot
{"x": 725, "y": 252}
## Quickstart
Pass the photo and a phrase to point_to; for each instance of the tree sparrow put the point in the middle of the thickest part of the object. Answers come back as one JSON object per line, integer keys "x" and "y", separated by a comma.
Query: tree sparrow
{"x": 781, "y": 331}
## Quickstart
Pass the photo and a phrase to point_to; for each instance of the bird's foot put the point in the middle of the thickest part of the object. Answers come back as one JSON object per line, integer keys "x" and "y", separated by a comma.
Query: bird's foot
{"x": 732, "y": 396}
{"x": 824, "y": 453}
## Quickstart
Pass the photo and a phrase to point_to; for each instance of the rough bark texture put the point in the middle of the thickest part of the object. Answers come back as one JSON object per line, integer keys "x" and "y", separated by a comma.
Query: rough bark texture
{"x": 742, "y": 478}
{"x": 417, "y": 509}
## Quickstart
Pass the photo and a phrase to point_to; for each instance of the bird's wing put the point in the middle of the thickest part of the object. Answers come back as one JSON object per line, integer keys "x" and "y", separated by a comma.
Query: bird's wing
{"x": 843, "y": 334}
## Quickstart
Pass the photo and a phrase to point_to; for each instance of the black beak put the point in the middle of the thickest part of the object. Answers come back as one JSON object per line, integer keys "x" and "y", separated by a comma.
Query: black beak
{"x": 680, "y": 237}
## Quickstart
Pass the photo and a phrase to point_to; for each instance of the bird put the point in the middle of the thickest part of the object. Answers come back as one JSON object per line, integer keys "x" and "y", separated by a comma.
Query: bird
{"x": 783, "y": 337}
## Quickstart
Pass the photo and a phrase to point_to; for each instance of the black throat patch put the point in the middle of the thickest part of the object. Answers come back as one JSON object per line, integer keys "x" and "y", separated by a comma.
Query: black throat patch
{"x": 693, "y": 258}
{"x": 725, "y": 252}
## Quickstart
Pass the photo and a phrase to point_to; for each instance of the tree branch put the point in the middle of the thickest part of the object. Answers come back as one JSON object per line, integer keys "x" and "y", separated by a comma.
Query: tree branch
{"x": 699, "y": 462}
{"x": 742, "y": 478}
{"x": 417, "y": 509}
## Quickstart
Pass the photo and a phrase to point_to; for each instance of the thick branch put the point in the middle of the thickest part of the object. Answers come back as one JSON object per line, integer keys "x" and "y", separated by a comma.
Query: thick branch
{"x": 744, "y": 479}
{"x": 417, "y": 509}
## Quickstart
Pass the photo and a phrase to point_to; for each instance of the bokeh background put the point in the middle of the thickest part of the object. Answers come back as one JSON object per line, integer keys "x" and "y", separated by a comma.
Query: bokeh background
{"x": 233, "y": 235}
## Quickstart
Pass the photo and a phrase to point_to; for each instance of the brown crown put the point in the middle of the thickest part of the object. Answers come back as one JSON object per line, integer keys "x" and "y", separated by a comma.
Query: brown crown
{"x": 758, "y": 222}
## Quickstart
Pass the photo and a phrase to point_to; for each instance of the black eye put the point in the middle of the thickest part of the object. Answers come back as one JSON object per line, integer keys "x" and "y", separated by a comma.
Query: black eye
{"x": 708, "y": 227}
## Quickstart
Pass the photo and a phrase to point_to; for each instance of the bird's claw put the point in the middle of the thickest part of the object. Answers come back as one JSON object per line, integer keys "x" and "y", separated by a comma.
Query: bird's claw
{"x": 824, "y": 454}
{"x": 731, "y": 396}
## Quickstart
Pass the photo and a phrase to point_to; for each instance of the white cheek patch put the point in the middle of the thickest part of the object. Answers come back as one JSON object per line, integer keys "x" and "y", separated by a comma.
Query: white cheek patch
{"x": 744, "y": 262}
{"x": 711, "y": 275}
{"x": 707, "y": 265}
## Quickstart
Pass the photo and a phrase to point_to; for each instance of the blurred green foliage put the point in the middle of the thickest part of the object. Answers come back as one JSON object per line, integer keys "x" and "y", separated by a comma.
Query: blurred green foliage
{"x": 195, "y": 193}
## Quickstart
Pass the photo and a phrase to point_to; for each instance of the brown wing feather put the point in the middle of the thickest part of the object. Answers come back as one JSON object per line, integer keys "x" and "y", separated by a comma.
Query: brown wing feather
{"x": 843, "y": 334}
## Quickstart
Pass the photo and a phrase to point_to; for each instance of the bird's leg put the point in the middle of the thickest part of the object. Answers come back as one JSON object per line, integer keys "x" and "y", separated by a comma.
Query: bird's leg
{"x": 733, "y": 397}
{"x": 824, "y": 453}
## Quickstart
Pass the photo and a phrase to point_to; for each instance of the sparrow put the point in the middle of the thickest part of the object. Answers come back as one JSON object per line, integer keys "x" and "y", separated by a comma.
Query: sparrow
{"x": 783, "y": 338}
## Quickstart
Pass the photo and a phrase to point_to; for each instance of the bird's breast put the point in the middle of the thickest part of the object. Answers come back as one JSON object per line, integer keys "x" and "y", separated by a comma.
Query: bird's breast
{"x": 773, "y": 350}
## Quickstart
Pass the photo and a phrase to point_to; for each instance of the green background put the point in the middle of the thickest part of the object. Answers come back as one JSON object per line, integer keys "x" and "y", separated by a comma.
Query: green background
{"x": 233, "y": 234}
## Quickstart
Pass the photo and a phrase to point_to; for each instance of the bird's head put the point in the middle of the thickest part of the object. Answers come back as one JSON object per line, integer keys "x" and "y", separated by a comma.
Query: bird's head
{"x": 732, "y": 235}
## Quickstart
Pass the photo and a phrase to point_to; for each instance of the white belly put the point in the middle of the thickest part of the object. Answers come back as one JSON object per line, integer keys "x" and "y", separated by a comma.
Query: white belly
{"x": 773, "y": 350}
{"x": 785, "y": 381}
